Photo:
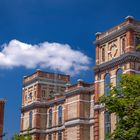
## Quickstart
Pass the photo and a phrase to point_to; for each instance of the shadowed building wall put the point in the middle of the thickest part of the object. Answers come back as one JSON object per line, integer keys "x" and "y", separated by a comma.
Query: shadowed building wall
{"x": 2, "y": 102}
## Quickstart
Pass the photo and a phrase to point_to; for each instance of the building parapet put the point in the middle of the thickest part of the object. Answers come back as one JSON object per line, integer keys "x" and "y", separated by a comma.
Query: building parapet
{"x": 80, "y": 86}
{"x": 40, "y": 104}
{"x": 129, "y": 23}
{"x": 48, "y": 75}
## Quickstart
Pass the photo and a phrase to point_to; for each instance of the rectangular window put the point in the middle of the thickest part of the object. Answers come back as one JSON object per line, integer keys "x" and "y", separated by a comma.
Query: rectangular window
{"x": 107, "y": 125}
{"x": 49, "y": 137}
{"x": 43, "y": 93}
{"x": 59, "y": 135}
{"x": 103, "y": 54}
{"x": 123, "y": 44}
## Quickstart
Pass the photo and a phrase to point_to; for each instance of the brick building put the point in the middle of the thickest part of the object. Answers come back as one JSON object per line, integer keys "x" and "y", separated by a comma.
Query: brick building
{"x": 53, "y": 109}
{"x": 116, "y": 53}
{"x": 2, "y": 102}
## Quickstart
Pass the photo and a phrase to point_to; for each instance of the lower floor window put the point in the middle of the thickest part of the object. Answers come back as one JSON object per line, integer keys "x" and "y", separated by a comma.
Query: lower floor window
{"x": 107, "y": 124}
{"x": 49, "y": 137}
{"x": 59, "y": 135}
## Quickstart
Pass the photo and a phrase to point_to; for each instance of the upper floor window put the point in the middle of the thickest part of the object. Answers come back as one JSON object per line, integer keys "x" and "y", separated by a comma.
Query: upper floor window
{"x": 60, "y": 115}
{"x": 103, "y": 54}
{"x": 30, "y": 96}
{"x": 118, "y": 76}
{"x": 107, "y": 84}
{"x": 30, "y": 119}
{"x": 59, "y": 135}
{"x": 43, "y": 93}
{"x": 50, "y": 118}
{"x": 25, "y": 97}
{"x": 123, "y": 45}
{"x": 107, "y": 125}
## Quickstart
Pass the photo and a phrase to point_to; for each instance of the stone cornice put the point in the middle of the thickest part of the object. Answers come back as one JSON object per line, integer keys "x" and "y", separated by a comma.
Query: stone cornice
{"x": 38, "y": 104}
{"x": 61, "y": 128}
{"x": 78, "y": 90}
{"x": 40, "y": 80}
{"x": 116, "y": 33}
{"x": 127, "y": 57}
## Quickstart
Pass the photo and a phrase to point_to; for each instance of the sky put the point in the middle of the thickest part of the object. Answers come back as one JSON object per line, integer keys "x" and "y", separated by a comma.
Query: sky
{"x": 54, "y": 36}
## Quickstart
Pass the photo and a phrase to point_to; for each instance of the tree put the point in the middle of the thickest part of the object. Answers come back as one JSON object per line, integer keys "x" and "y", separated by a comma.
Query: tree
{"x": 124, "y": 101}
{"x": 22, "y": 137}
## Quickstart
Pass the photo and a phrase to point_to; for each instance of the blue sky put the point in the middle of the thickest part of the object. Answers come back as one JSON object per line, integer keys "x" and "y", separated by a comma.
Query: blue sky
{"x": 69, "y": 24}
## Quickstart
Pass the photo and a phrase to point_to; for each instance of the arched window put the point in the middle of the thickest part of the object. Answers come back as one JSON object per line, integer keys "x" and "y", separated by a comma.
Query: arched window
{"x": 107, "y": 124}
{"x": 107, "y": 85}
{"x": 60, "y": 115}
{"x": 30, "y": 119}
{"x": 49, "y": 137}
{"x": 59, "y": 135}
{"x": 118, "y": 79}
{"x": 118, "y": 76}
{"x": 50, "y": 118}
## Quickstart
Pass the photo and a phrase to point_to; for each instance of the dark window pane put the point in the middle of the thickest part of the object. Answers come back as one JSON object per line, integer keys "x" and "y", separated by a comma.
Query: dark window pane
{"x": 30, "y": 119}
{"x": 60, "y": 115}
{"x": 107, "y": 123}
{"x": 49, "y": 137}
{"x": 103, "y": 54}
{"x": 59, "y": 135}
{"x": 107, "y": 85}
{"x": 50, "y": 117}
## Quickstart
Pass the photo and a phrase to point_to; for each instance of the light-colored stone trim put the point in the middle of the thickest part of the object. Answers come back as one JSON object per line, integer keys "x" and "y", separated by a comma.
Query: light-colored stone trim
{"x": 131, "y": 70}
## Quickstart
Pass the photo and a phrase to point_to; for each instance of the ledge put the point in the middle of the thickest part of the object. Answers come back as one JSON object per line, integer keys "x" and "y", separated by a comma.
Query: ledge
{"x": 130, "y": 56}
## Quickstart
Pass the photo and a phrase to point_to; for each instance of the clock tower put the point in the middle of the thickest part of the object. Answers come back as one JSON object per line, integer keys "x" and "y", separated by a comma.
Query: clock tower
{"x": 116, "y": 53}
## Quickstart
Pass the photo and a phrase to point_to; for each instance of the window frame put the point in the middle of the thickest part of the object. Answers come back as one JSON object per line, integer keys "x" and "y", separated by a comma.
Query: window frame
{"x": 107, "y": 124}
{"x": 107, "y": 84}
{"x": 60, "y": 114}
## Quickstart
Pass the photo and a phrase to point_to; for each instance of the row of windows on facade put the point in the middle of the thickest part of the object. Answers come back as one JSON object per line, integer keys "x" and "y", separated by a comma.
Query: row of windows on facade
{"x": 107, "y": 115}
{"x": 60, "y": 109}
{"x": 43, "y": 95}
{"x": 59, "y": 136}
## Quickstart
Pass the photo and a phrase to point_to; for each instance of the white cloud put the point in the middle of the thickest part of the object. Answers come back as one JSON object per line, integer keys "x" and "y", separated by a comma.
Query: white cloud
{"x": 53, "y": 56}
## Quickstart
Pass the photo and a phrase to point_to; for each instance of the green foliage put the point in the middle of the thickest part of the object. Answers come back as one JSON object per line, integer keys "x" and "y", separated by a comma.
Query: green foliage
{"x": 22, "y": 137}
{"x": 138, "y": 47}
{"x": 125, "y": 103}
